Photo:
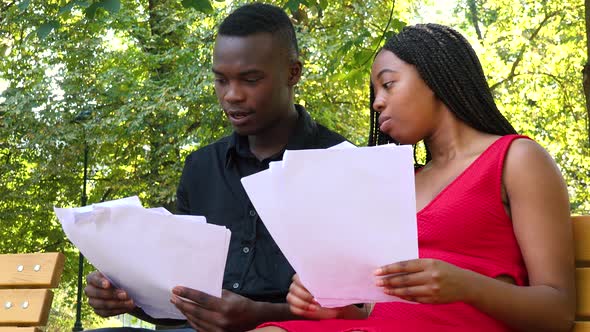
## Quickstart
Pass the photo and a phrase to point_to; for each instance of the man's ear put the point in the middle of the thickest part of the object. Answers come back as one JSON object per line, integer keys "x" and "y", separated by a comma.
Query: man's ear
{"x": 295, "y": 70}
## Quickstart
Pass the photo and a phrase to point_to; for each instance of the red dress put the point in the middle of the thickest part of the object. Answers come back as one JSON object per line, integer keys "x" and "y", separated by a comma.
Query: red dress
{"x": 465, "y": 225}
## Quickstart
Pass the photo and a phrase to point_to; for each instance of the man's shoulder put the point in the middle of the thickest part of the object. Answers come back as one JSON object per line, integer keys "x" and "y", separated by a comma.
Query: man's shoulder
{"x": 327, "y": 138}
{"x": 210, "y": 151}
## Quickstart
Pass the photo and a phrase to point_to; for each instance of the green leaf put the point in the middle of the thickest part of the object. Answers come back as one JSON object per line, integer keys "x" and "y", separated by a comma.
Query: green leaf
{"x": 24, "y": 5}
{"x": 397, "y": 25}
{"x": 45, "y": 29}
{"x": 67, "y": 8}
{"x": 293, "y": 5}
{"x": 203, "y": 6}
{"x": 91, "y": 11}
{"x": 112, "y": 6}
{"x": 323, "y": 4}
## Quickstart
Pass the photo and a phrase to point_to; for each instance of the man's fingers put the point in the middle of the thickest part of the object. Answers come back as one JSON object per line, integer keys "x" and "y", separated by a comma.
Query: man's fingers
{"x": 207, "y": 320}
{"x": 201, "y": 325}
{"x": 98, "y": 280}
{"x": 202, "y": 299}
{"x": 108, "y": 305}
{"x": 111, "y": 308}
{"x": 105, "y": 294}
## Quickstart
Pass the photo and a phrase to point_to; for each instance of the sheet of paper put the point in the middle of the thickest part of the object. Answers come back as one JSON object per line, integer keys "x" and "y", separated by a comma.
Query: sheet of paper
{"x": 343, "y": 145}
{"x": 147, "y": 252}
{"x": 339, "y": 214}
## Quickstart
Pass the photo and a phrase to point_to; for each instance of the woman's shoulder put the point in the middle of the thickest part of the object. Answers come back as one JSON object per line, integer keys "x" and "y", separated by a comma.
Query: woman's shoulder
{"x": 530, "y": 169}
{"x": 525, "y": 153}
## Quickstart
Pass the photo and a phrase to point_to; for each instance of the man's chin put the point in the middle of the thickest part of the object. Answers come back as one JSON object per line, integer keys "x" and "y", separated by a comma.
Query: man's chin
{"x": 244, "y": 131}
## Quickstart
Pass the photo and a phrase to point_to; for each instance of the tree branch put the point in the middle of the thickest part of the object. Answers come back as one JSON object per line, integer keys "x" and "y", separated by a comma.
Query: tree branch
{"x": 523, "y": 49}
{"x": 382, "y": 35}
{"x": 474, "y": 17}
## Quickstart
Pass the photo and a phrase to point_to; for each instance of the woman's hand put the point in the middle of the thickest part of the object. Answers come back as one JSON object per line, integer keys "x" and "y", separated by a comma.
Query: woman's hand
{"x": 301, "y": 303}
{"x": 425, "y": 281}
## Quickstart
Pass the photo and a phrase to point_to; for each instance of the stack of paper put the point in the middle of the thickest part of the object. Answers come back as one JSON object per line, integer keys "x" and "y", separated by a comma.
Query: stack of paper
{"x": 147, "y": 252}
{"x": 339, "y": 214}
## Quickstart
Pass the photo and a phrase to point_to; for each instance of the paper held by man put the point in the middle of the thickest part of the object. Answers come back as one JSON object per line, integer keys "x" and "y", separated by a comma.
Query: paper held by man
{"x": 336, "y": 214}
{"x": 149, "y": 251}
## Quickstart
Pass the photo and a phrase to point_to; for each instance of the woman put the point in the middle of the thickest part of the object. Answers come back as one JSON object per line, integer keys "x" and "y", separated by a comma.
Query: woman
{"x": 494, "y": 232}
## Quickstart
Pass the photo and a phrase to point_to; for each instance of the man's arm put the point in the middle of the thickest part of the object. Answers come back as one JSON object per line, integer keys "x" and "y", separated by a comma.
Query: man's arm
{"x": 232, "y": 312}
{"x": 137, "y": 312}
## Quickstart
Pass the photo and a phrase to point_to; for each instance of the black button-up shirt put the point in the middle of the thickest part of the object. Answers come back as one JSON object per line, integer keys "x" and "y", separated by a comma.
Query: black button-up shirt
{"x": 210, "y": 186}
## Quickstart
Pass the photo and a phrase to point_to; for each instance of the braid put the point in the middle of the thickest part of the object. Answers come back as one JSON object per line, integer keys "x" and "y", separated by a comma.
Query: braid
{"x": 449, "y": 66}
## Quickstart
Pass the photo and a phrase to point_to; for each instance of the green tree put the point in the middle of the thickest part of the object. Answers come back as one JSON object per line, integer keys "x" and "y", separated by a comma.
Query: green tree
{"x": 130, "y": 79}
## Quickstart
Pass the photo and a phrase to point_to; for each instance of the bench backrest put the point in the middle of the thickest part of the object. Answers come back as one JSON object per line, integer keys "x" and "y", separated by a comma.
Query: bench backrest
{"x": 25, "y": 289}
{"x": 582, "y": 250}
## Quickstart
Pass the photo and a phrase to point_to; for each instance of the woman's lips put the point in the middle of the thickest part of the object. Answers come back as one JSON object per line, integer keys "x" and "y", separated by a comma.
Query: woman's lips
{"x": 384, "y": 123}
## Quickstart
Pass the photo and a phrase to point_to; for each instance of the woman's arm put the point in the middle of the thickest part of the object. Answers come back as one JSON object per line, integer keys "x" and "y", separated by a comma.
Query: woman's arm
{"x": 539, "y": 206}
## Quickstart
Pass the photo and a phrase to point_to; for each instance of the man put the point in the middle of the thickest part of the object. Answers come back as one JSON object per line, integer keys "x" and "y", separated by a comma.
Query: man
{"x": 256, "y": 66}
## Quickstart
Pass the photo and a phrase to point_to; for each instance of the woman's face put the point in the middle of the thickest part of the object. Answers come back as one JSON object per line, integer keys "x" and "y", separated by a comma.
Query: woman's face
{"x": 407, "y": 107}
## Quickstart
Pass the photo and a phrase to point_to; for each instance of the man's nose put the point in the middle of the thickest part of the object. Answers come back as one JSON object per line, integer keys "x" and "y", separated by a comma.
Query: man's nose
{"x": 234, "y": 93}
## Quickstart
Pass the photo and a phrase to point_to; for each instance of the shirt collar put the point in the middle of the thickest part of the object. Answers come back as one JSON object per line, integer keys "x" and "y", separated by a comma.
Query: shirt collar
{"x": 238, "y": 145}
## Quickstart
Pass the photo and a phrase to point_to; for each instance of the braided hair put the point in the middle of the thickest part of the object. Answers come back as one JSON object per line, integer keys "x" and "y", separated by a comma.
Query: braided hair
{"x": 256, "y": 18}
{"x": 449, "y": 66}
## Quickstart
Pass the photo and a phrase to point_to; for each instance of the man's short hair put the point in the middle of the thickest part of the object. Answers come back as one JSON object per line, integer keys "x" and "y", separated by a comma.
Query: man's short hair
{"x": 256, "y": 18}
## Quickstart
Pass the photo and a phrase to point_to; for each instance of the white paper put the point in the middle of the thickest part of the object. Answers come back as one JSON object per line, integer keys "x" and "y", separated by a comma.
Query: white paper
{"x": 147, "y": 252}
{"x": 343, "y": 145}
{"x": 339, "y": 214}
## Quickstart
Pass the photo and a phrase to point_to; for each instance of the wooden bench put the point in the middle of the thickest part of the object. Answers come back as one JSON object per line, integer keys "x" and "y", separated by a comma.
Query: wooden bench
{"x": 25, "y": 289}
{"x": 582, "y": 247}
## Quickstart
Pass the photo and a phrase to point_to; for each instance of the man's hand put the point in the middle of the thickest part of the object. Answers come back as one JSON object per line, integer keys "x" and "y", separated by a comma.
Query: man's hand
{"x": 231, "y": 312}
{"x": 105, "y": 299}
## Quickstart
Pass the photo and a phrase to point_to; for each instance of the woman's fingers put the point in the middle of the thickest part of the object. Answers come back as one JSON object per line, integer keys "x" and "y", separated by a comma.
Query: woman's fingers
{"x": 411, "y": 266}
{"x": 404, "y": 280}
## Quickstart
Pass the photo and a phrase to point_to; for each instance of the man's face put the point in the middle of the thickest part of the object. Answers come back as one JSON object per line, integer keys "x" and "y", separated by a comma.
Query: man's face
{"x": 253, "y": 81}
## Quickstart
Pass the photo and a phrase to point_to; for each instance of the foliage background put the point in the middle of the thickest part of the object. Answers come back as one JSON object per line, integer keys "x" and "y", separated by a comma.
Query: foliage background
{"x": 130, "y": 80}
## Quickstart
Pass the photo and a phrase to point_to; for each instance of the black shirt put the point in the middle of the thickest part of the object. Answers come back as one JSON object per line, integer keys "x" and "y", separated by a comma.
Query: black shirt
{"x": 210, "y": 186}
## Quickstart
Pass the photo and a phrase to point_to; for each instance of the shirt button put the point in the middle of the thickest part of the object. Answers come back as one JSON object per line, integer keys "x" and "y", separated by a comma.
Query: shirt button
{"x": 252, "y": 213}
{"x": 236, "y": 285}
{"x": 246, "y": 250}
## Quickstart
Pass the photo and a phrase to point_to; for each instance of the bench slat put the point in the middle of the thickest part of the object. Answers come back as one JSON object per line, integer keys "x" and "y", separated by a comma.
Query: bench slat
{"x": 581, "y": 226}
{"x": 20, "y": 329}
{"x": 578, "y": 327}
{"x": 19, "y": 270}
{"x": 29, "y": 307}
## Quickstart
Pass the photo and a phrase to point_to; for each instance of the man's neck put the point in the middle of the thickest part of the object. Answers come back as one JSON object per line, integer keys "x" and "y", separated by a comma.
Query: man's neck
{"x": 272, "y": 140}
